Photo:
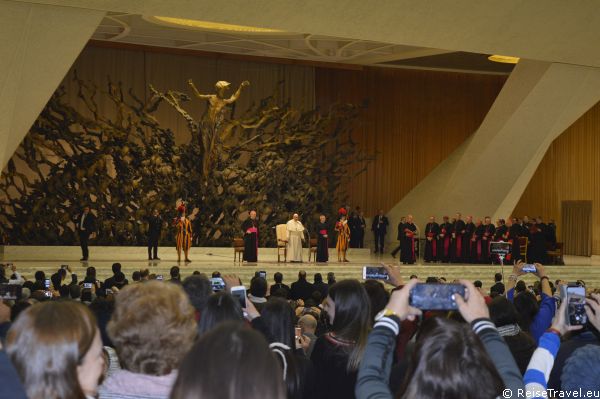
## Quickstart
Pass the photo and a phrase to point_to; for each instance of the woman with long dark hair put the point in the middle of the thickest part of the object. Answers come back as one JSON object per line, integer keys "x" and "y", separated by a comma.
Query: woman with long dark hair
{"x": 229, "y": 362}
{"x": 337, "y": 354}
{"x": 451, "y": 359}
{"x": 276, "y": 322}
{"x": 57, "y": 351}
{"x": 219, "y": 308}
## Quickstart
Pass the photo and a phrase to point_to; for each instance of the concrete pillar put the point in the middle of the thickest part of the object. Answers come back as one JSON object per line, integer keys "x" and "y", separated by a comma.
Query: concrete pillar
{"x": 39, "y": 43}
{"x": 488, "y": 173}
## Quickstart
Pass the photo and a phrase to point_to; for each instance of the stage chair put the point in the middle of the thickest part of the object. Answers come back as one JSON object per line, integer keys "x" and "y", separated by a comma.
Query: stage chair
{"x": 556, "y": 254}
{"x": 312, "y": 249}
{"x": 281, "y": 232}
{"x": 523, "y": 242}
{"x": 238, "y": 249}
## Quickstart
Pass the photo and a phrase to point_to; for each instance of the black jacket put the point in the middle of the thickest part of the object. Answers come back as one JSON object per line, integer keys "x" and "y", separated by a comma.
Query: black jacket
{"x": 301, "y": 289}
{"x": 380, "y": 227}
{"x": 89, "y": 224}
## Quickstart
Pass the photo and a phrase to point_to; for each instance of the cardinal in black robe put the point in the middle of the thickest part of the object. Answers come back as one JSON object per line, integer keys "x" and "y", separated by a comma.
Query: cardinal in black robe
{"x": 467, "y": 244}
{"x": 250, "y": 229}
{"x": 512, "y": 236}
{"x": 488, "y": 236}
{"x": 432, "y": 229}
{"x": 444, "y": 240}
{"x": 458, "y": 234}
{"x": 500, "y": 234}
{"x": 322, "y": 240}
{"x": 407, "y": 253}
{"x": 536, "y": 251}
{"x": 476, "y": 242}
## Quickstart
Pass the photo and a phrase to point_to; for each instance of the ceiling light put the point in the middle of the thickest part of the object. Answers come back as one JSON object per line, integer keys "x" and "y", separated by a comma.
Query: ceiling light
{"x": 505, "y": 59}
{"x": 207, "y": 25}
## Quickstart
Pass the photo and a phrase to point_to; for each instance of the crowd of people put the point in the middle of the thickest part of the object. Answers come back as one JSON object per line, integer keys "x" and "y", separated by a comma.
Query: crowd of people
{"x": 467, "y": 241}
{"x": 152, "y": 337}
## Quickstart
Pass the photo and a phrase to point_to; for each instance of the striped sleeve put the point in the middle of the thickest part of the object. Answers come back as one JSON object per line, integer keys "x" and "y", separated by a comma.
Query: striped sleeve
{"x": 541, "y": 363}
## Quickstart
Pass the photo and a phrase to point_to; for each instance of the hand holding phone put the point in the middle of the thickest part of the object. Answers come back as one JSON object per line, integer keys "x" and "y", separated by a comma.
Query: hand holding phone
{"x": 436, "y": 296}
{"x": 239, "y": 292}
{"x": 529, "y": 268}
{"x": 375, "y": 272}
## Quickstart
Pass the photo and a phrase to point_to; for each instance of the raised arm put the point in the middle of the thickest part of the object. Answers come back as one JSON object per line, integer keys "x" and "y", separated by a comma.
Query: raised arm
{"x": 196, "y": 92}
{"x": 236, "y": 95}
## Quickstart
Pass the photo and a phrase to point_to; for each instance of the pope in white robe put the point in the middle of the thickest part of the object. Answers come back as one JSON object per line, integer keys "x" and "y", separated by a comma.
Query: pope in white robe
{"x": 295, "y": 236}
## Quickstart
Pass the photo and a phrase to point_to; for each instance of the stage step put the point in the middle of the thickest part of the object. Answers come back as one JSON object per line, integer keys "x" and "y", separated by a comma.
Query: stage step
{"x": 207, "y": 260}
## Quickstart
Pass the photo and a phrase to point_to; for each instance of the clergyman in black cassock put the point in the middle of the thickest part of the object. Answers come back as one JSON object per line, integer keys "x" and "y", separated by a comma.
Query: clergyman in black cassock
{"x": 488, "y": 234}
{"x": 250, "y": 229}
{"x": 407, "y": 253}
{"x": 399, "y": 236}
{"x": 467, "y": 243}
{"x": 322, "y": 240}
{"x": 458, "y": 234}
{"x": 444, "y": 240}
{"x": 432, "y": 229}
{"x": 536, "y": 251}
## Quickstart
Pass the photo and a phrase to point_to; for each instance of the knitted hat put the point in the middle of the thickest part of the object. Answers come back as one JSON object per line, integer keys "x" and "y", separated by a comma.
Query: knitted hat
{"x": 582, "y": 369}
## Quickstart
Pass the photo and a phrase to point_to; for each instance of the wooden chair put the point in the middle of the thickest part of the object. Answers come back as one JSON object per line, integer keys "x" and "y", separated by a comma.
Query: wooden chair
{"x": 523, "y": 242}
{"x": 281, "y": 232}
{"x": 556, "y": 254}
{"x": 238, "y": 249}
{"x": 312, "y": 249}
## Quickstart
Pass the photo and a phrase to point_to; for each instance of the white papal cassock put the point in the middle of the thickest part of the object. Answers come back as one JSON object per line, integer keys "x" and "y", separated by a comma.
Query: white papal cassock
{"x": 295, "y": 236}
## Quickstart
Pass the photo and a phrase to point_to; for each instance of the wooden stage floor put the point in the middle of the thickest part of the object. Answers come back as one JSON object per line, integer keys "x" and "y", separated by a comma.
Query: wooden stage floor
{"x": 28, "y": 259}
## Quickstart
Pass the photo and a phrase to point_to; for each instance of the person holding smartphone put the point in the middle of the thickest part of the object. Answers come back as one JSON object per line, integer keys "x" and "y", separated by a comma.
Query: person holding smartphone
{"x": 535, "y": 317}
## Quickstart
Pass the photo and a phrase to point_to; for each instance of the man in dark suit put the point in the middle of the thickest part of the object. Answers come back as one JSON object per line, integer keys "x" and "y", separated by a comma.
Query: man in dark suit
{"x": 379, "y": 229}
{"x": 154, "y": 227}
{"x": 86, "y": 228}
{"x": 301, "y": 289}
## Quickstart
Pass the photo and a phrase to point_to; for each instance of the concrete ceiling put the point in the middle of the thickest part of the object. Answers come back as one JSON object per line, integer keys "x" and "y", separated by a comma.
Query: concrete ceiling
{"x": 149, "y": 31}
{"x": 545, "y": 30}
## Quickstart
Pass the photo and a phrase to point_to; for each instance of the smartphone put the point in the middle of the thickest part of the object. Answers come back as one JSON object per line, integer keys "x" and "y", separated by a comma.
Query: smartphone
{"x": 575, "y": 297}
{"x": 47, "y": 283}
{"x": 217, "y": 284}
{"x": 262, "y": 274}
{"x": 10, "y": 291}
{"x": 435, "y": 296}
{"x": 375, "y": 272}
{"x": 159, "y": 277}
{"x": 239, "y": 292}
{"x": 529, "y": 268}
{"x": 87, "y": 286}
{"x": 108, "y": 291}
{"x": 297, "y": 332}
{"x": 48, "y": 294}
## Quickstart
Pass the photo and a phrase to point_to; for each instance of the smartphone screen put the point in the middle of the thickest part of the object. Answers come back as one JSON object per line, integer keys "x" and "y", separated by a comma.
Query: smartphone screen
{"x": 435, "y": 296}
{"x": 108, "y": 291}
{"x": 47, "y": 283}
{"x": 10, "y": 291}
{"x": 217, "y": 284}
{"x": 529, "y": 268}
{"x": 87, "y": 286}
{"x": 375, "y": 272}
{"x": 297, "y": 332}
{"x": 262, "y": 274}
{"x": 576, "y": 306}
{"x": 239, "y": 292}
{"x": 159, "y": 277}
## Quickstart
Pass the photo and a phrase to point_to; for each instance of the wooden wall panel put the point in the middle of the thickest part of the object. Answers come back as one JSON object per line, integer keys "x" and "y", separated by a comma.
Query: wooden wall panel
{"x": 570, "y": 170}
{"x": 413, "y": 121}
